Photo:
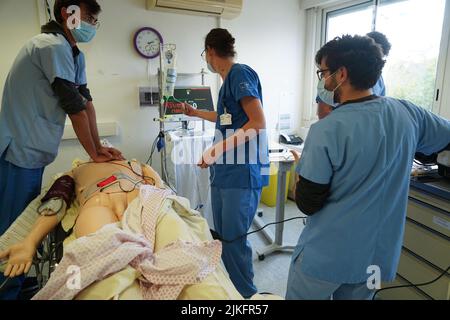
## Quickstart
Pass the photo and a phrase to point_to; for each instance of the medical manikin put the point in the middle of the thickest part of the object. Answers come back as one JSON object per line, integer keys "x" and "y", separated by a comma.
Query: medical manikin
{"x": 103, "y": 191}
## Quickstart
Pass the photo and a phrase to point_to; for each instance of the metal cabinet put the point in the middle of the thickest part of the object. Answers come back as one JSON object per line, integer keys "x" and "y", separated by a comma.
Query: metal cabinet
{"x": 426, "y": 249}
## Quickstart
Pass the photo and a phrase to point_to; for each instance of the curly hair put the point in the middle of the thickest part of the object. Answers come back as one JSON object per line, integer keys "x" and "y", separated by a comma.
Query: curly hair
{"x": 382, "y": 40}
{"x": 360, "y": 55}
{"x": 92, "y": 6}
{"x": 222, "y": 42}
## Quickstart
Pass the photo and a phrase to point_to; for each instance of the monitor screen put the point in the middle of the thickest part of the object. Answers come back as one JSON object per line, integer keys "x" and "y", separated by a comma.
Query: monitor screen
{"x": 198, "y": 97}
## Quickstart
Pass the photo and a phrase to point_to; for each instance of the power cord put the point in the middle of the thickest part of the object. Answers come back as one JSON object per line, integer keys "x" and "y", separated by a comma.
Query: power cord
{"x": 217, "y": 236}
{"x": 152, "y": 151}
{"x": 413, "y": 285}
{"x": 4, "y": 283}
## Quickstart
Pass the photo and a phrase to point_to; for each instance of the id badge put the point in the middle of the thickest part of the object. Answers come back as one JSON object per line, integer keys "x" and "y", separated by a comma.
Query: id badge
{"x": 226, "y": 120}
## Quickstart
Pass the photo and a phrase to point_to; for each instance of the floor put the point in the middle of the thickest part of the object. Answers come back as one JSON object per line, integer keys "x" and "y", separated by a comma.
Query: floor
{"x": 271, "y": 273}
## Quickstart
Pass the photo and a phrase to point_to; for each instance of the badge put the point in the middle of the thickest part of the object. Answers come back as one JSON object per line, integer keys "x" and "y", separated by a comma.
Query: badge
{"x": 226, "y": 120}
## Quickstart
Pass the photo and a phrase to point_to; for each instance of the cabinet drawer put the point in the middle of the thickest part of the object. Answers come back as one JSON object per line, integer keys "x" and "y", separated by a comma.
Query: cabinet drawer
{"x": 416, "y": 271}
{"x": 409, "y": 293}
{"x": 428, "y": 198}
{"x": 426, "y": 244}
{"x": 433, "y": 218}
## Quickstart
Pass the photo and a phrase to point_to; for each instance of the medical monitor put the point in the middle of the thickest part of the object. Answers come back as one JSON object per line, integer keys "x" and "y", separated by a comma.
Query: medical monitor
{"x": 198, "y": 97}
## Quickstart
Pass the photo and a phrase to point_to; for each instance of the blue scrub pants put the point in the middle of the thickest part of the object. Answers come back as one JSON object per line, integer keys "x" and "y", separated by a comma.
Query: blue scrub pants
{"x": 18, "y": 187}
{"x": 233, "y": 212}
{"x": 303, "y": 287}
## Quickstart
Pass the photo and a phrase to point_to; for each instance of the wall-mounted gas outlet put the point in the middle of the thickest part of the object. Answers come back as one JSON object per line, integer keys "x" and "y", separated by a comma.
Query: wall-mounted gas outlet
{"x": 148, "y": 97}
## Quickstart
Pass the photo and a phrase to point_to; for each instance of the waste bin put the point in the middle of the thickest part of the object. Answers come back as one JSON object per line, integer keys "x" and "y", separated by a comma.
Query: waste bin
{"x": 269, "y": 193}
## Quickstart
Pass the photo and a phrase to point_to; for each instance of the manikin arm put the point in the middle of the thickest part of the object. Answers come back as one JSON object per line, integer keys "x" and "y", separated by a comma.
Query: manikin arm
{"x": 20, "y": 256}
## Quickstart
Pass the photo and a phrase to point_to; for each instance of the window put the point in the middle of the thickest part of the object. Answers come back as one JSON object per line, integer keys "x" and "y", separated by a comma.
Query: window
{"x": 351, "y": 20}
{"x": 414, "y": 29}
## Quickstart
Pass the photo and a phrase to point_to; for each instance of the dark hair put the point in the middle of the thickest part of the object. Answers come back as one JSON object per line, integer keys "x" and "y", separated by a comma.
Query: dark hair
{"x": 222, "y": 41}
{"x": 382, "y": 40}
{"x": 361, "y": 56}
{"x": 92, "y": 6}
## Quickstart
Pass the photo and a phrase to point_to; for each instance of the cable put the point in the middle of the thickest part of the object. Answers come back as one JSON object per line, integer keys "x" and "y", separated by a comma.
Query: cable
{"x": 4, "y": 283}
{"x": 212, "y": 173}
{"x": 218, "y": 237}
{"x": 197, "y": 172}
{"x": 110, "y": 185}
{"x": 129, "y": 167}
{"x": 413, "y": 285}
{"x": 152, "y": 151}
{"x": 48, "y": 10}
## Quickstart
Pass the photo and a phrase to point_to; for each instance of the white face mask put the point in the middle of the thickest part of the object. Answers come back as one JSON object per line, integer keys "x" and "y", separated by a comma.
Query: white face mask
{"x": 325, "y": 95}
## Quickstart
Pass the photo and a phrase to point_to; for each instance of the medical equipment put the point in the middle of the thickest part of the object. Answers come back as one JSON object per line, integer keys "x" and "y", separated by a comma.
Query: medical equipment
{"x": 441, "y": 159}
{"x": 443, "y": 162}
{"x": 169, "y": 58}
{"x": 171, "y": 108}
{"x": 114, "y": 179}
{"x": 51, "y": 207}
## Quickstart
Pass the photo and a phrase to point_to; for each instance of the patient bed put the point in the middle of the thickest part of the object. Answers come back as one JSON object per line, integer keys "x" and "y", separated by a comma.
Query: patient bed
{"x": 176, "y": 222}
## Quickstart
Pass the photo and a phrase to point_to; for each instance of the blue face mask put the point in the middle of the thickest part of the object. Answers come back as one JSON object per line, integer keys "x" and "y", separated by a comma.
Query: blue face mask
{"x": 325, "y": 95}
{"x": 210, "y": 68}
{"x": 85, "y": 33}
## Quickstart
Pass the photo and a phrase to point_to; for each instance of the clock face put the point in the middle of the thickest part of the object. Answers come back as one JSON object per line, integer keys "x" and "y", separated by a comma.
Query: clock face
{"x": 147, "y": 42}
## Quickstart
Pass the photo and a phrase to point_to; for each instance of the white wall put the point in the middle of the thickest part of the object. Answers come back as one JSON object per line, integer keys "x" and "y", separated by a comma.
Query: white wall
{"x": 269, "y": 36}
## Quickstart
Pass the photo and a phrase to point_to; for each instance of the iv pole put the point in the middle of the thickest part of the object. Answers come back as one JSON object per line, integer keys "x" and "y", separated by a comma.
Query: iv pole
{"x": 161, "y": 109}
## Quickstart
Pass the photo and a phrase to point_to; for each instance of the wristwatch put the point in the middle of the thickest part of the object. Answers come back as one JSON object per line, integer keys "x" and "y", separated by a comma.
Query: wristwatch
{"x": 51, "y": 207}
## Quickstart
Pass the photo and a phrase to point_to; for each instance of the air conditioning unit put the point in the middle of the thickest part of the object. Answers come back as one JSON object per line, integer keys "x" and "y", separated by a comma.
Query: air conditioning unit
{"x": 227, "y": 9}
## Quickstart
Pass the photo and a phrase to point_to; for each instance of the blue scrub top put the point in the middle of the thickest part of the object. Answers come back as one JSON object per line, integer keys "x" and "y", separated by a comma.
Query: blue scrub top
{"x": 365, "y": 151}
{"x": 247, "y": 166}
{"x": 379, "y": 89}
{"x": 31, "y": 119}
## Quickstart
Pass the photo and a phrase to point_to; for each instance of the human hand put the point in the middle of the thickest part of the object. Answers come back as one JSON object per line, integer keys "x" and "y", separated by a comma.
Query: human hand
{"x": 209, "y": 157}
{"x": 189, "y": 110}
{"x": 295, "y": 154}
{"x": 20, "y": 258}
{"x": 111, "y": 153}
{"x": 101, "y": 158}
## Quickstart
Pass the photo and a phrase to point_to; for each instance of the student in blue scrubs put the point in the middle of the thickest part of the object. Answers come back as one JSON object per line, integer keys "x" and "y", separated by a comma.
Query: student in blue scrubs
{"x": 238, "y": 165}
{"x": 354, "y": 176}
{"x": 46, "y": 82}
{"x": 379, "y": 88}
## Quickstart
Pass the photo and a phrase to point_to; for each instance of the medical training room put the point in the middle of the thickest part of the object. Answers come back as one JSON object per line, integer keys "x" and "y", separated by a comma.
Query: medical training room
{"x": 246, "y": 150}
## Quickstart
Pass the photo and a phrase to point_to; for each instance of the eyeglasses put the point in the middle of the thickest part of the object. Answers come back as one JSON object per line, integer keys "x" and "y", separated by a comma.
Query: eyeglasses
{"x": 91, "y": 20}
{"x": 320, "y": 73}
{"x": 203, "y": 55}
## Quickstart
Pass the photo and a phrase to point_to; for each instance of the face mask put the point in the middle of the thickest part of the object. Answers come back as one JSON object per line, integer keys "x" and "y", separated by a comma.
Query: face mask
{"x": 85, "y": 33}
{"x": 210, "y": 68}
{"x": 325, "y": 95}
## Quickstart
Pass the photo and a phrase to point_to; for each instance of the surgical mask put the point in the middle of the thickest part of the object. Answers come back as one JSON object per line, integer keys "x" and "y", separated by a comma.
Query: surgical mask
{"x": 210, "y": 68}
{"x": 85, "y": 33}
{"x": 325, "y": 95}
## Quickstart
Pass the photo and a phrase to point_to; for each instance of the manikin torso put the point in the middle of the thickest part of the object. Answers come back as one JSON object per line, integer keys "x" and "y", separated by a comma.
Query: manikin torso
{"x": 104, "y": 205}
